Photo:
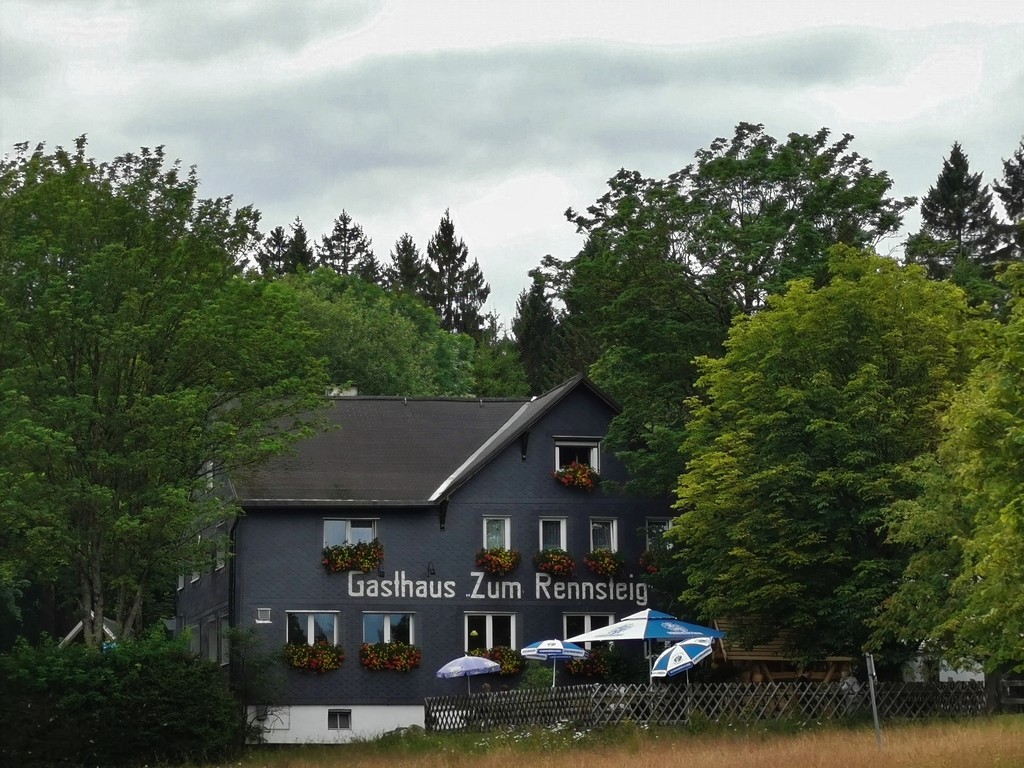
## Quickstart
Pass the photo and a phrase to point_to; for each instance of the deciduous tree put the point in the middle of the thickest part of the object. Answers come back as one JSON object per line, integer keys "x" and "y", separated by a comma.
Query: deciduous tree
{"x": 137, "y": 364}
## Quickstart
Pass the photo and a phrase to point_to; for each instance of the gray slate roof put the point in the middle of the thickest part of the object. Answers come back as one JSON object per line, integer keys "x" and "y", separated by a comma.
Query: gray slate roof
{"x": 394, "y": 450}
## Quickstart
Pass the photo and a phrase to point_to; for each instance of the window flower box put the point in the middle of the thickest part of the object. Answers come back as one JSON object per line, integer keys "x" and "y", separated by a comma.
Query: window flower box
{"x": 365, "y": 556}
{"x": 398, "y": 657}
{"x": 651, "y": 560}
{"x": 577, "y": 475}
{"x": 497, "y": 561}
{"x": 605, "y": 562}
{"x": 511, "y": 661}
{"x": 556, "y": 562}
{"x": 598, "y": 663}
{"x": 320, "y": 657}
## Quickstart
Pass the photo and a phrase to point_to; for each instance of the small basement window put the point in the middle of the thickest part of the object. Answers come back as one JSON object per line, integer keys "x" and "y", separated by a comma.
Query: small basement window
{"x": 339, "y": 719}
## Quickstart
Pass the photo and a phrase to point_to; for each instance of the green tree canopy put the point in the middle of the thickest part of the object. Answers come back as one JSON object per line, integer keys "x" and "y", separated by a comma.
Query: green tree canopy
{"x": 797, "y": 445}
{"x": 961, "y": 593}
{"x": 384, "y": 344}
{"x": 135, "y": 364}
{"x": 346, "y": 249}
{"x": 669, "y": 263}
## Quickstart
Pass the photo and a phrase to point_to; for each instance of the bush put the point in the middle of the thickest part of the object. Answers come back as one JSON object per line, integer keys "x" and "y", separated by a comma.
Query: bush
{"x": 147, "y": 701}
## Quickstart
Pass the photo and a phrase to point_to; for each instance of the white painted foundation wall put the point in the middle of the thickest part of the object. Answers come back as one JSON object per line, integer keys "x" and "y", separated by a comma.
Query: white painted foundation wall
{"x": 308, "y": 724}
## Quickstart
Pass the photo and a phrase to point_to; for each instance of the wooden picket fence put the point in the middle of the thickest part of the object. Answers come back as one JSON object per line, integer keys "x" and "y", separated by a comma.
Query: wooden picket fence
{"x": 591, "y": 706}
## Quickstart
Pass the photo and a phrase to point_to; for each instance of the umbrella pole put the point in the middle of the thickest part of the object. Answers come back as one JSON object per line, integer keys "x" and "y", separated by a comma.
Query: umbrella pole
{"x": 554, "y": 664}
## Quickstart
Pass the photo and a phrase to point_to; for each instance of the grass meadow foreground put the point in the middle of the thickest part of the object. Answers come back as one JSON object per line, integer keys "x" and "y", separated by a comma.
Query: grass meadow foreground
{"x": 981, "y": 743}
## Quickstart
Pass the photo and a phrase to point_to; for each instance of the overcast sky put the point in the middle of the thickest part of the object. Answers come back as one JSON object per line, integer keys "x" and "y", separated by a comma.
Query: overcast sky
{"x": 506, "y": 113}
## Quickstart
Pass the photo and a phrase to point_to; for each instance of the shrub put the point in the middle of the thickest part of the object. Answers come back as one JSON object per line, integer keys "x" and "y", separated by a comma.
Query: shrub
{"x": 143, "y": 701}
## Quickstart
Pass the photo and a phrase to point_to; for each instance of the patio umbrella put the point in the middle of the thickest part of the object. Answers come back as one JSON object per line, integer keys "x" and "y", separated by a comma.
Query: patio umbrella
{"x": 648, "y": 625}
{"x": 556, "y": 650}
{"x": 681, "y": 656}
{"x": 466, "y": 666}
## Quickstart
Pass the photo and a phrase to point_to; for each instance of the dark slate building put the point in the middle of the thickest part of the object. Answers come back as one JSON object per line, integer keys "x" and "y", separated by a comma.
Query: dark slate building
{"x": 419, "y": 487}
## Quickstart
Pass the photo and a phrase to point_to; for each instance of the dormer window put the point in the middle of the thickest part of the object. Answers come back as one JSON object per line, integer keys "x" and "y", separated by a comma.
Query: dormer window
{"x": 579, "y": 450}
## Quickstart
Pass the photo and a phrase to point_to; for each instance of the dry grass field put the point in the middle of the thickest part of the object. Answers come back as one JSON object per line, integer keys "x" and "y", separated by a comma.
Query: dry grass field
{"x": 981, "y": 743}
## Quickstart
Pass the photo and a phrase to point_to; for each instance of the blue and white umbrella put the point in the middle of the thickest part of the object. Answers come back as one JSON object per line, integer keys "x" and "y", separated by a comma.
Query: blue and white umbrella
{"x": 466, "y": 666}
{"x": 555, "y": 650}
{"x": 681, "y": 656}
{"x": 647, "y": 625}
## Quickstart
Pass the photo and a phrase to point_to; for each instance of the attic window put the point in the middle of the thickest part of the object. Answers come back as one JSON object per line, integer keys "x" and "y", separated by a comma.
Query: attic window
{"x": 581, "y": 451}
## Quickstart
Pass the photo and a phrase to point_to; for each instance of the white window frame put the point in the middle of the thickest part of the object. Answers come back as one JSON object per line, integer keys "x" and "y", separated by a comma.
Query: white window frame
{"x": 594, "y": 444}
{"x": 263, "y": 616}
{"x": 221, "y": 552}
{"x": 489, "y": 627}
{"x": 348, "y": 521}
{"x": 311, "y": 624}
{"x": 197, "y": 574}
{"x": 563, "y": 526}
{"x": 225, "y": 648}
{"x": 588, "y": 624}
{"x": 387, "y": 625}
{"x": 181, "y": 581}
{"x": 613, "y": 534}
{"x": 650, "y": 522}
{"x": 339, "y": 719}
{"x": 194, "y": 644}
{"x": 506, "y": 523}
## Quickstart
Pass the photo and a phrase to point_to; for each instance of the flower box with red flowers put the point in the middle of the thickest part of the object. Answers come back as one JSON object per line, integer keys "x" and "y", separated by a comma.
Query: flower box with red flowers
{"x": 320, "y": 657}
{"x": 511, "y": 661}
{"x": 605, "y": 562}
{"x": 362, "y": 556}
{"x": 651, "y": 560}
{"x": 497, "y": 561}
{"x": 556, "y": 562}
{"x": 398, "y": 657}
{"x": 577, "y": 475}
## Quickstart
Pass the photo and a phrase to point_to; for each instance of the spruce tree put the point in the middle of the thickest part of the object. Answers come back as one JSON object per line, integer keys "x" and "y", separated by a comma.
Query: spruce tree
{"x": 406, "y": 272}
{"x": 535, "y": 328}
{"x": 457, "y": 292}
{"x": 299, "y": 253}
{"x": 346, "y": 248}
{"x": 1011, "y": 195}
{"x": 958, "y": 223}
{"x": 270, "y": 255}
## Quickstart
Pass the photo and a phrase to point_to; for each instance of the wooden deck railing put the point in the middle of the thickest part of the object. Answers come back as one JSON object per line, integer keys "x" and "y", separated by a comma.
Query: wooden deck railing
{"x": 597, "y": 705}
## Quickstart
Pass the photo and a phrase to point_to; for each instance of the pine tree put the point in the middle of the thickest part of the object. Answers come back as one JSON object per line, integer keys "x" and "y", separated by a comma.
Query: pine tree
{"x": 535, "y": 328}
{"x": 299, "y": 253}
{"x": 347, "y": 247}
{"x": 369, "y": 269}
{"x": 406, "y": 272}
{"x": 457, "y": 292}
{"x": 958, "y": 223}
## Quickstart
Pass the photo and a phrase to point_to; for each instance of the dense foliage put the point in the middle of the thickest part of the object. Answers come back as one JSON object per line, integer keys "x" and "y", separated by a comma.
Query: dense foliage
{"x": 137, "y": 703}
{"x": 797, "y": 448}
{"x": 136, "y": 365}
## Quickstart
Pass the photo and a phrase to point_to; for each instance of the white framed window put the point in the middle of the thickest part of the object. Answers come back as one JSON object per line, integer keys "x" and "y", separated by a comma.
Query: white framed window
{"x": 552, "y": 532}
{"x": 604, "y": 533}
{"x": 193, "y": 639}
{"x": 339, "y": 719}
{"x": 199, "y": 541}
{"x": 487, "y": 630}
{"x": 212, "y": 637}
{"x": 581, "y": 450}
{"x": 220, "y": 553}
{"x": 338, "y": 531}
{"x": 309, "y": 627}
{"x": 578, "y": 623}
{"x": 388, "y": 628}
{"x": 207, "y": 474}
{"x": 263, "y": 616}
{"x": 654, "y": 532}
{"x": 181, "y": 581}
{"x": 497, "y": 532}
{"x": 225, "y": 648}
